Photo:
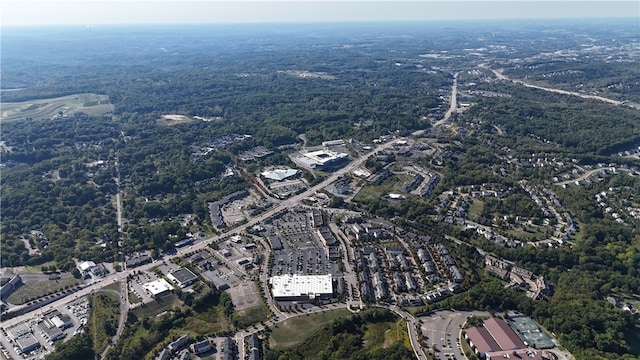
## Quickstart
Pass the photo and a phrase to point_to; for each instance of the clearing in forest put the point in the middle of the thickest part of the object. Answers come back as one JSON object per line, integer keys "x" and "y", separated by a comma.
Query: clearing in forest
{"x": 39, "y": 109}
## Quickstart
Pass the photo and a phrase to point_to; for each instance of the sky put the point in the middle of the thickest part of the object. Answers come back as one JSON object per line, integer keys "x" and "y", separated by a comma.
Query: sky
{"x": 97, "y": 12}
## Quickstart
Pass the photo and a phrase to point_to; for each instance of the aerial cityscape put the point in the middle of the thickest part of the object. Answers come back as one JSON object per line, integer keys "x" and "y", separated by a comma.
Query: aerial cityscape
{"x": 447, "y": 189}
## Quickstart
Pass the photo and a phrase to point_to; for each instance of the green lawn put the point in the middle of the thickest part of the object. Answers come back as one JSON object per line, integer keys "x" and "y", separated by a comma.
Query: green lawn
{"x": 371, "y": 192}
{"x": 475, "y": 209}
{"x": 157, "y": 306}
{"x": 247, "y": 317}
{"x": 295, "y": 330}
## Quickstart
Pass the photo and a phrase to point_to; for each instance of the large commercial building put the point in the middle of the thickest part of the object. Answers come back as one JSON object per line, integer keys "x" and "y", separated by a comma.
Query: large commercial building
{"x": 279, "y": 174}
{"x": 182, "y": 277}
{"x": 496, "y": 340}
{"x": 322, "y": 159}
{"x": 293, "y": 287}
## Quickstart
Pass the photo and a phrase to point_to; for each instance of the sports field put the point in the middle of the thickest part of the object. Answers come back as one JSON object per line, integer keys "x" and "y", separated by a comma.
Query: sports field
{"x": 531, "y": 333}
{"x": 39, "y": 109}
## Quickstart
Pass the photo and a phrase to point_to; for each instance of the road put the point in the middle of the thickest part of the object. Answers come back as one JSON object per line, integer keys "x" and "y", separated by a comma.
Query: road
{"x": 124, "y": 310}
{"x": 501, "y": 76}
{"x": 453, "y": 102}
{"x": 412, "y": 323}
{"x": 122, "y": 276}
{"x": 291, "y": 202}
{"x": 589, "y": 174}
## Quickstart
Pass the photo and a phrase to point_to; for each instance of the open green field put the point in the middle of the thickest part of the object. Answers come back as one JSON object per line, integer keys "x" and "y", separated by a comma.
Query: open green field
{"x": 295, "y": 330}
{"x": 156, "y": 307}
{"x": 91, "y": 104}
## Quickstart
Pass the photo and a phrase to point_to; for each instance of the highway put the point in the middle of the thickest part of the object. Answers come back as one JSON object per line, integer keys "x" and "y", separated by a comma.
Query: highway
{"x": 453, "y": 103}
{"x": 501, "y": 76}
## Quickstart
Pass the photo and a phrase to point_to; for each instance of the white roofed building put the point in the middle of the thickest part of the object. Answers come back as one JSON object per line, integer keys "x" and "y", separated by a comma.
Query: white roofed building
{"x": 157, "y": 287}
{"x": 279, "y": 174}
{"x": 322, "y": 159}
{"x": 86, "y": 266}
{"x": 294, "y": 287}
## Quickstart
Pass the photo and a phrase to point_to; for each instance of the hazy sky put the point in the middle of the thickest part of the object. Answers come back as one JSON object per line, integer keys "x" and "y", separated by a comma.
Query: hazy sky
{"x": 93, "y": 12}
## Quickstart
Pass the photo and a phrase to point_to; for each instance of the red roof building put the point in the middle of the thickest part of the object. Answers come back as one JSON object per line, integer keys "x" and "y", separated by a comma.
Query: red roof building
{"x": 480, "y": 338}
{"x": 504, "y": 335}
{"x": 496, "y": 337}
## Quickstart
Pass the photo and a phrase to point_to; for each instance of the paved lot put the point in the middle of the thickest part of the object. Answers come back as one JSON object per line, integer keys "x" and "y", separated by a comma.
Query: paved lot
{"x": 77, "y": 311}
{"x": 443, "y": 328}
{"x": 245, "y": 295}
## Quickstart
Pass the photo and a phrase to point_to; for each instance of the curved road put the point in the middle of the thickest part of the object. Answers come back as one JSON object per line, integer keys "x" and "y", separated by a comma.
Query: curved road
{"x": 501, "y": 76}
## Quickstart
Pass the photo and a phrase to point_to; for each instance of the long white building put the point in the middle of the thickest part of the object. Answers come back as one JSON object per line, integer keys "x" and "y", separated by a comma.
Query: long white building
{"x": 294, "y": 287}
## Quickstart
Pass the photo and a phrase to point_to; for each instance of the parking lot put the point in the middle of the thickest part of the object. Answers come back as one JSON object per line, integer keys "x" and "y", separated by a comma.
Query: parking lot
{"x": 302, "y": 252}
{"x": 77, "y": 311}
{"x": 443, "y": 329}
{"x": 135, "y": 285}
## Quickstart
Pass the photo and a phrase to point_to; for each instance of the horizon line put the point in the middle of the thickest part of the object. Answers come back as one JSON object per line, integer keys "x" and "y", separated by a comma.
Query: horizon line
{"x": 320, "y": 22}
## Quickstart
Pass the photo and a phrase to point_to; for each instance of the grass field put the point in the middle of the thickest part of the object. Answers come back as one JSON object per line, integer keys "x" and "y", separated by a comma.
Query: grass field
{"x": 156, "y": 307}
{"x": 386, "y": 334}
{"x": 36, "y": 289}
{"x": 253, "y": 315}
{"x": 91, "y": 104}
{"x": 103, "y": 321}
{"x": 295, "y": 330}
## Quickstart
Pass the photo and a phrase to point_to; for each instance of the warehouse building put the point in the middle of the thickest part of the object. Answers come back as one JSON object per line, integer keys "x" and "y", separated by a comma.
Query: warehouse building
{"x": 293, "y": 287}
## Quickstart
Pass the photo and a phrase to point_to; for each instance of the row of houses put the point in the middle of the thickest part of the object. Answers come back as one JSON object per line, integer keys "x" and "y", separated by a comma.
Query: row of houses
{"x": 449, "y": 262}
{"x": 329, "y": 242}
{"x": 174, "y": 347}
{"x": 518, "y": 277}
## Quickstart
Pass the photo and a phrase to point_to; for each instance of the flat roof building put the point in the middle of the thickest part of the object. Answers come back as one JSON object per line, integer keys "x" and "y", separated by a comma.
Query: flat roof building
{"x": 18, "y": 331}
{"x": 87, "y": 265}
{"x": 528, "y": 354}
{"x": 322, "y": 159}
{"x": 301, "y": 287}
{"x": 182, "y": 277}
{"x": 51, "y": 331}
{"x": 27, "y": 343}
{"x": 157, "y": 287}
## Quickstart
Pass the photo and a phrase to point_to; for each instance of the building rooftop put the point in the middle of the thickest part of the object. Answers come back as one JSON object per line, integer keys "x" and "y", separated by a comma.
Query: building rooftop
{"x": 285, "y": 286}
{"x": 520, "y": 354}
{"x": 279, "y": 174}
{"x": 482, "y": 340}
{"x": 86, "y": 265}
{"x": 27, "y": 343}
{"x": 157, "y": 287}
{"x": 503, "y": 334}
{"x": 18, "y": 331}
{"x": 182, "y": 277}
